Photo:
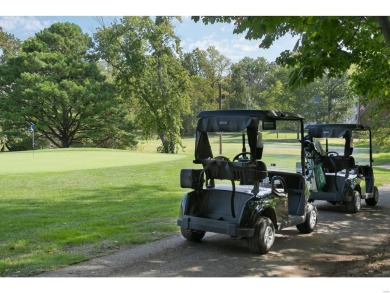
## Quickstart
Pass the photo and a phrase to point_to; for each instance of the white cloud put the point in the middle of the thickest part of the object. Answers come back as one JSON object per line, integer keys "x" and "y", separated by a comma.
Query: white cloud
{"x": 235, "y": 49}
{"x": 227, "y": 28}
{"x": 23, "y": 23}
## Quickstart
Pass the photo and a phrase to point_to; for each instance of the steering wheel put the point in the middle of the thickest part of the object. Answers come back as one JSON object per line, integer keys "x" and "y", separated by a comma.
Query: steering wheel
{"x": 237, "y": 157}
{"x": 222, "y": 158}
{"x": 333, "y": 154}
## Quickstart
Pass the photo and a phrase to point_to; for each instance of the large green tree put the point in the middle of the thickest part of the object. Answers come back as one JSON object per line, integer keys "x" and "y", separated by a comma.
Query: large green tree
{"x": 55, "y": 83}
{"x": 144, "y": 55}
{"x": 216, "y": 66}
{"x": 248, "y": 79}
{"x": 326, "y": 100}
{"x": 9, "y": 46}
{"x": 208, "y": 70}
{"x": 276, "y": 94}
{"x": 202, "y": 97}
{"x": 196, "y": 62}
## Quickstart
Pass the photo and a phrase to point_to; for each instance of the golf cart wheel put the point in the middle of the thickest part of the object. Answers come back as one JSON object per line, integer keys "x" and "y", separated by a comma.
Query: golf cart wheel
{"x": 192, "y": 235}
{"x": 353, "y": 206}
{"x": 373, "y": 200}
{"x": 310, "y": 222}
{"x": 264, "y": 236}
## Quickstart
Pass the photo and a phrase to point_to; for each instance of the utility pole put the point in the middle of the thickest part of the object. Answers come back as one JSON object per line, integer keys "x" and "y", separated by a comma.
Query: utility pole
{"x": 358, "y": 112}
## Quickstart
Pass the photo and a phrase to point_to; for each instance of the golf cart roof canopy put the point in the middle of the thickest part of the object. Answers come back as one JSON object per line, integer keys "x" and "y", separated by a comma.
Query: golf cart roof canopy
{"x": 239, "y": 120}
{"x": 334, "y": 130}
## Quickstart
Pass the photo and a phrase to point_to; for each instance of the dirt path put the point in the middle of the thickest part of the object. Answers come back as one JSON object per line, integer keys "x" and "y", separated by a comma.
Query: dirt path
{"x": 343, "y": 245}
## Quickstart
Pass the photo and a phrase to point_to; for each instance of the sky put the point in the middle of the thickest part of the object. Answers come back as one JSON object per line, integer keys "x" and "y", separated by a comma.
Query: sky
{"x": 193, "y": 35}
{"x": 24, "y": 18}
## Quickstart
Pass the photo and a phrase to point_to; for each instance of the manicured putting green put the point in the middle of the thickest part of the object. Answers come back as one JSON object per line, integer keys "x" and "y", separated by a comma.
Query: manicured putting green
{"x": 61, "y": 160}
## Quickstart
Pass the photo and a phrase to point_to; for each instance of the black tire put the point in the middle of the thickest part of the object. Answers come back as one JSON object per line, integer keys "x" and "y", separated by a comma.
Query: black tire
{"x": 310, "y": 222}
{"x": 373, "y": 200}
{"x": 264, "y": 236}
{"x": 192, "y": 235}
{"x": 353, "y": 206}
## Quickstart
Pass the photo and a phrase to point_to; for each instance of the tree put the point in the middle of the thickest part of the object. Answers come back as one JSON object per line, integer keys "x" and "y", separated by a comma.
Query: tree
{"x": 9, "y": 45}
{"x": 237, "y": 86}
{"x": 276, "y": 94}
{"x": 144, "y": 56}
{"x": 202, "y": 97}
{"x": 55, "y": 83}
{"x": 329, "y": 46}
{"x": 326, "y": 100}
{"x": 208, "y": 73}
{"x": 215, "y": 66}
{"x": 247, "y": 81}
{"x": 195, "y": 62}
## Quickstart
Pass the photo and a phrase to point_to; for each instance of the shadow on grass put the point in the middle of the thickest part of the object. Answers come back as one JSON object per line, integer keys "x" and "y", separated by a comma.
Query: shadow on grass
{"x": 39, "y": 234}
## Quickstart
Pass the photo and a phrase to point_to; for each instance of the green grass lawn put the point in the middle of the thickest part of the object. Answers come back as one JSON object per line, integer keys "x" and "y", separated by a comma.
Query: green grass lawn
{"x": 60, "y": 207}
{"x": 52, "y": 217}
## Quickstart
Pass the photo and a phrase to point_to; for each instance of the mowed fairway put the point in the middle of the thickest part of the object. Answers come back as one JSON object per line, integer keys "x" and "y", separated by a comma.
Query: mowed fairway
{"x": 59, "y": 207}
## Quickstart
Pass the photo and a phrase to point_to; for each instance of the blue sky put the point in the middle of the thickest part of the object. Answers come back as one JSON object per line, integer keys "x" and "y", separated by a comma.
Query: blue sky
{"x": 193, "y": 35}
{"x": 24, "y": 18}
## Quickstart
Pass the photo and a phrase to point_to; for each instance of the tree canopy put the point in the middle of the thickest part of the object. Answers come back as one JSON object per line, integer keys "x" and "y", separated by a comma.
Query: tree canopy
{"x": 326, "y": 45}
{"x": 55, "y": 83}
{"x": 9, "y": 45}
{"x": 145, "y": 57}
{"x": 78, "y": 92}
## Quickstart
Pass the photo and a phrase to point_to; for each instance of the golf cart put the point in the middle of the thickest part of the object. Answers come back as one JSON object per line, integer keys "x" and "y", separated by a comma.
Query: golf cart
{"x": 333, "y": 173}
{"x": 242, "y": 197}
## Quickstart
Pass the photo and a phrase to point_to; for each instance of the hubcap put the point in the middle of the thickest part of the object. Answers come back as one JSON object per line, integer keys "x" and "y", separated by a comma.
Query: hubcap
{"x": 357, "y": 201}
{"x": 313, "y": 219}
{"x": 268, "y": 236}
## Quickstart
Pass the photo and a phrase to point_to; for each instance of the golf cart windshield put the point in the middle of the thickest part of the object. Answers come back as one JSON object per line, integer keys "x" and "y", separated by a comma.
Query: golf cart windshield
{"x": 343, "y": 140}
{"x": 250, "y": 135}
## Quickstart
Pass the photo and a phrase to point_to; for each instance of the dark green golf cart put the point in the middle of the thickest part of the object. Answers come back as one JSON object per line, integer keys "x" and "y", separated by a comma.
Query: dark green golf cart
{"x": 242, "y": 196}
{"x": 339, "y": 172}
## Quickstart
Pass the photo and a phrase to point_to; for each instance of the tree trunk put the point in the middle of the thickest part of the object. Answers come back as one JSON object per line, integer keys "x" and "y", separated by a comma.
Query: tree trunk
{"x": 168, "y": 144}
{"x": 165, "y": 143}
{"x": 65, "y": 141}
{"x": 384, "y": 24}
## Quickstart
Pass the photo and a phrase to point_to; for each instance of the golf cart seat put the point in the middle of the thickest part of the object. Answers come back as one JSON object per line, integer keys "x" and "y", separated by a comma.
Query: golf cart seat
{"x": 262, "y": 167}
{"x": 335, "y": 164}
{"x": 247, "y": 174}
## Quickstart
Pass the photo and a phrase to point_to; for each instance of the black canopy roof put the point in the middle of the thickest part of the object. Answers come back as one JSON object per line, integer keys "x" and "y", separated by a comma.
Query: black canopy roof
{"x": 238, "y": 120}
{"x": 334, "y": 130}
{"x": 253, "y": 113}
{"x": 235, "y": 121}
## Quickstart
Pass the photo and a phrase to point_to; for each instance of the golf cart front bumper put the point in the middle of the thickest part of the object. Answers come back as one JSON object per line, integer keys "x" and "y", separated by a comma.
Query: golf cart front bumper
{"x": 215, "y": 226}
